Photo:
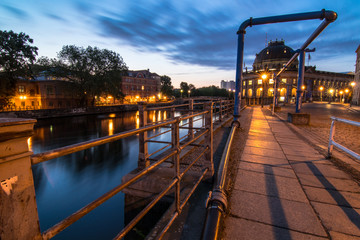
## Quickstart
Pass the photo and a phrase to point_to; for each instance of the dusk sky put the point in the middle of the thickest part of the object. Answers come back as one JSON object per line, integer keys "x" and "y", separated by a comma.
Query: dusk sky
{"x": 189, "y": 40}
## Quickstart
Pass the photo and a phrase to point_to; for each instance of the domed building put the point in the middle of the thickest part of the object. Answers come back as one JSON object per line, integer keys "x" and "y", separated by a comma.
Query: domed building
{"x": 318, "y": 85}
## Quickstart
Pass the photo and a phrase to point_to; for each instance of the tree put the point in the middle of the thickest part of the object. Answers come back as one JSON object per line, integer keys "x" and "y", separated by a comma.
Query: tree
{"x": 94, "y": 71}
{"x": 166, "y": 87}
{"x": 16, "y": 56}
{"x": 184, "y": 87}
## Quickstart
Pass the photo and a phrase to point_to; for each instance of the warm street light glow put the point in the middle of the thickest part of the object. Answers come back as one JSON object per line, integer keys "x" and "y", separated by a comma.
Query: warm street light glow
{"x": 303, "y": 87}
{"x": 352, "y": 84}
{"x": 181, "y": 90}
{"x": 142, "y": 87}
{"x": 261, "y": 89}
{"x": 264, "y": 76}
{"x": 331, "y": 91}
{"x": 137, "y": 97}
{"x": 189, "y": 91}
{"x": 321, "y": 88}
{"x": 346, "y": 90}
{"x": 341, "y": 92}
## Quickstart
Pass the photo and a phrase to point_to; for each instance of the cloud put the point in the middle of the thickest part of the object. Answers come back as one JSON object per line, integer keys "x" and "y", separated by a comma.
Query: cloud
{"x": 55, "y": 17}
{"x": 205, "y": 33}
{"x": 16, "y": 12}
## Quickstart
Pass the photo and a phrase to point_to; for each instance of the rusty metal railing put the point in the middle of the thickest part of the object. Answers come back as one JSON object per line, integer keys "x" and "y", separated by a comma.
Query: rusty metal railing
{"x": 172, "y": 151}
{"x": 332, "y": 143}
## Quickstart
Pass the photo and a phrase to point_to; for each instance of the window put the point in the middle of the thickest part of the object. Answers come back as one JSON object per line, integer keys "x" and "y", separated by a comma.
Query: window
{"x": 21, "y": 89}
{"x": 283, "y": 80}
{"x": 271, "y": 81}
{"x": 259, "y": 81}
{"x": 250, "y": 82}
{"x": 32, "y": 92}
{"x": 23, "y": 104}
{"x": 244, "y": 83}
{"x": 32, "y": 103}
{"x": 49, "y": 91}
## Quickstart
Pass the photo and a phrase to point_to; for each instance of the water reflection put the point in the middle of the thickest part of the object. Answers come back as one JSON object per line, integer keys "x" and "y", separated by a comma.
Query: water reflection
{"x": 66, "y": 184}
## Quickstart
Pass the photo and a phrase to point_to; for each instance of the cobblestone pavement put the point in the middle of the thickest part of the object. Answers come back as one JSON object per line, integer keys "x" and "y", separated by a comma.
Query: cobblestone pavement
{"x": 320, "y": 122}
{"x": 285, "y": 189}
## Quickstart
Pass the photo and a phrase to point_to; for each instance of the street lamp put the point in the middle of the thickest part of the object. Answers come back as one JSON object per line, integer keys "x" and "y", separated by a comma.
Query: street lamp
{"x": 303, "y": 93}
{"x": 331, "y": 94}
{"x": 321, "y": 88}
{"x": 181, "y": 91}
{"x": 189, "y": 93}
{"x": 341, "y": 94}
{"x": 264, "y": 77}
{"x": 352, "y": 85}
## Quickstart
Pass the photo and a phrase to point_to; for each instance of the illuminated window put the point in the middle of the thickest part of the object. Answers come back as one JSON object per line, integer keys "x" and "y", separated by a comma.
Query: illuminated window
{"x": 271, "y": 81}
{"x": 267, "y": 52}
{"x": 283, "y": 80}
{"x": 294, "y": 81}
{"x": 284, "y": 50}
{"x": 250, "y": 82}
{"x": 21, "y": 89}
{"x": 243, "y": 92}
{"x": 244, "y": 83}
{"x": 259, "y": 81}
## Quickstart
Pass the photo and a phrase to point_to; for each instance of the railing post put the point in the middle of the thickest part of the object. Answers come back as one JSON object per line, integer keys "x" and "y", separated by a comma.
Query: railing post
{"x": 175, "y": 143}
{"x": 331, "y": 138}
{"x": 172, "y": 113}
{"x": 221, "y": 115}
{"x": 209, "y": 136}
{"x": 19, "y": 218}
{"x": 143, "y": 161}
{"x": 191, "y": 120}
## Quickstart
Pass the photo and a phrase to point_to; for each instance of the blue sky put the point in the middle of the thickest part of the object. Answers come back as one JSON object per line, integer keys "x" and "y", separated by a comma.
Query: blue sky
{"x": 189, "y": 40}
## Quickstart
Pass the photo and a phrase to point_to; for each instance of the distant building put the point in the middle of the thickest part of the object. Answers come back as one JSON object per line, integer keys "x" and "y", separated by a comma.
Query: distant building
{"x": 317, "y": 84}
{"x": 141, "y": 85}
{"x": 356, "y": 96}
{"x": 228, "y": 85}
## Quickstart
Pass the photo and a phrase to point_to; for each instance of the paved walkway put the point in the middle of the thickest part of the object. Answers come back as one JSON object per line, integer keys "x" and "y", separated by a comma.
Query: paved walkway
{"x": 285, "y": 189}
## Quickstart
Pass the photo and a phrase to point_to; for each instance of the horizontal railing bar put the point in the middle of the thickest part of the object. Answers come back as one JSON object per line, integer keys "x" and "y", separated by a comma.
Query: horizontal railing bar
{"x": 176, "y": 214}
{"x": 59, "y": 152}
{"x": 159, "y": 150}
{"x": 167, "y": 107}
{"x": 195, "y": 120}
{"x": 352, "y": 153}
{"x": 91, "y": 206}
{"x": 194, "y": 115}
{"x": 159, "y": 134}
{"x": 195, "y": 128}
{"x": 187, "y": 123}
{"x": 194, "y": 139}
{"x": 154, "y": 141}
{"x": 145, "y": 210}
{"x": 193, "y": 162}
{"x": 197, "y": 145}
{"x": 354, "y": 123}
{"x": 184, "y": 136}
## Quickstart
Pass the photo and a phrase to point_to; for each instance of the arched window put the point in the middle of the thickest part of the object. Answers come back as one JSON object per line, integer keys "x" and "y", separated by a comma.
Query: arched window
{"x": 259, "y": 92}
{"x": 249, "y": 92}
{"x": 270, "y": 92}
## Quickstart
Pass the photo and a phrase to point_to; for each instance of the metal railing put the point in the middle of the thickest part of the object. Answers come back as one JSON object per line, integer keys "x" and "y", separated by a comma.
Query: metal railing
{"x": 332, "y": 143}
{"x": 146, "y": 164}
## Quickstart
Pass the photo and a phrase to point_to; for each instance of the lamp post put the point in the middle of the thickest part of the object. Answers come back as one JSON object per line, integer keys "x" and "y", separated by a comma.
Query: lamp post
{"x": 189, "y": 93}
{"x": 346, "y": 91}
{"x": 341, "y": 95}
{"x": 331, "y": 91}
{"x": 321, "y": 88}
{"x": 181, "y": 91}
{"x": 264, "y": 77}
{"x": 303, "y": 93}
{"x": 352, "y": 86}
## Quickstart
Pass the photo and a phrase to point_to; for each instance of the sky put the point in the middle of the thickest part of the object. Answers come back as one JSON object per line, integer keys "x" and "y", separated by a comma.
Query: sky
{"x": 191, "y": 41}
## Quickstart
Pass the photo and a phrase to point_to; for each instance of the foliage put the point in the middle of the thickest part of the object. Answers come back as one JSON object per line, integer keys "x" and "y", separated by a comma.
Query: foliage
{"x": 16, "y": 56}
{"x": 166, "y": 86}
{"x": 210, "y": 91}
{"x": 185, "y": 87}
{"x": 94, "y": 71}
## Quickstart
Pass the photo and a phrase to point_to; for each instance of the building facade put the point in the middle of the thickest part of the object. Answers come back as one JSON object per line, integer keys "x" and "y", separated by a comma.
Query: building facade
{"x": 228, "y": 85}
{"x": 141, "y": 85}
{"x": 318, "y": 85}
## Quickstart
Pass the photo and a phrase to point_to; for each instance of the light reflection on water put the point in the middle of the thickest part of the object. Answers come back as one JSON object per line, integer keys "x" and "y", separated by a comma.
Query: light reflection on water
{"x": 66, "y": 184}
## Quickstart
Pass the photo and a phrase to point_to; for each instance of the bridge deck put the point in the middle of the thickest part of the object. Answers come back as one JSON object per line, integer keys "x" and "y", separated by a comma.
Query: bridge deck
{"x": 285, "y": 189}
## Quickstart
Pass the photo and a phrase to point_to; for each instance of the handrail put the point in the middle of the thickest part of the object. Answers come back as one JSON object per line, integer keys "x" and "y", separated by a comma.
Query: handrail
{"x": 333, "y": 143}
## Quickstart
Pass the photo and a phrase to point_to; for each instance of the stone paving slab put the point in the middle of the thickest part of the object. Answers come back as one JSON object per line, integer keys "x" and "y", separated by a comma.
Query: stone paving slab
{"x": 268, "y": 169}
{"x": 242, "y": 229}
{"x": 278, "y": 212}
{"x": 346, "y": 199}
{"x": 316, "y": 169}
{"x": 340, "y": 219}
{"x": 285, "y": 189}
{"x": 329, "y": 183}
{"x": 280, "y": 162}
{"x": 270, "y": 185}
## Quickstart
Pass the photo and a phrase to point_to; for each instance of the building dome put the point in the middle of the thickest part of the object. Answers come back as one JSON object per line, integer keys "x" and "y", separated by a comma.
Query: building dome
{"x": 274, "y": 56}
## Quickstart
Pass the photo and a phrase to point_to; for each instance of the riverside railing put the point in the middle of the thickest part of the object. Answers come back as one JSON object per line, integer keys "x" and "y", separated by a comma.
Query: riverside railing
{"x": 17, "y": 181}
{"x": 332, "y": 143}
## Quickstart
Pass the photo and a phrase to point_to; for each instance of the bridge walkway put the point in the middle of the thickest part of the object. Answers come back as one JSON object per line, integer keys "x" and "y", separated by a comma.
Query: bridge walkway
{"x": 285, "y": 189}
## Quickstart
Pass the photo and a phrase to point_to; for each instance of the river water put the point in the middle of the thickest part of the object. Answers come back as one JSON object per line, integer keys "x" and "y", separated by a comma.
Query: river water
{"x": 66, "y": 184}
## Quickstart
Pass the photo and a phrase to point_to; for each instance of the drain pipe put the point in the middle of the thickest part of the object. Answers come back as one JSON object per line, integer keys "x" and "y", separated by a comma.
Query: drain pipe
{"x": 329, "y": 17}
{"x": 216, "y": 203}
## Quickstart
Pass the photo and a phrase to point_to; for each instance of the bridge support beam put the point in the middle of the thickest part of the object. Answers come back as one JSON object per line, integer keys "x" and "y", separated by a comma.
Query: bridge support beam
{"x": 18, "y": 212}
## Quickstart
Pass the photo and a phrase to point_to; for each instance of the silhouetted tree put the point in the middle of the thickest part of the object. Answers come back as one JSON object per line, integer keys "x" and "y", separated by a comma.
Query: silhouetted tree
{"x": 16, "y": 57}
{"x": 166, "y": 87}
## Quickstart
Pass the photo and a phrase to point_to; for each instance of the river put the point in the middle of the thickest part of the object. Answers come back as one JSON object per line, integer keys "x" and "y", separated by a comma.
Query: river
{"x": 66, "y": 184}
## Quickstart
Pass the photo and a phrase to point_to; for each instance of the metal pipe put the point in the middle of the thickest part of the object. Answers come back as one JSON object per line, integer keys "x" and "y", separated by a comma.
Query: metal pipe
{"x": 329, "y": 16}
{"x": 217, "y": 201}
{"x": 299, "y": 90}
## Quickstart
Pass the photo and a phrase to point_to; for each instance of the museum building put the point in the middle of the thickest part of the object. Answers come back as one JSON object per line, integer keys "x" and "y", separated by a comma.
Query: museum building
{"x": 318, "y": 85}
